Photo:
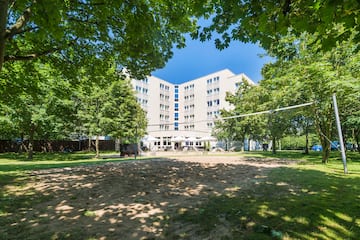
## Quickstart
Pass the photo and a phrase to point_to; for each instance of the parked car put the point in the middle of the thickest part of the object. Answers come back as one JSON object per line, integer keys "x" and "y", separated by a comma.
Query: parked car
{"x": 317, "y": 148}
{"x": 335, "y": 145}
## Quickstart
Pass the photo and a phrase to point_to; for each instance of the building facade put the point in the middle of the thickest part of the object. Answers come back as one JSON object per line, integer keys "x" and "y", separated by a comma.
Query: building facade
{"x": 182, "y": 115}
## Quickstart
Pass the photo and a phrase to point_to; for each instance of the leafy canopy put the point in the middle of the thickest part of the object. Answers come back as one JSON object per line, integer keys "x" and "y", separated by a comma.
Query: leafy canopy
{"x": 266, "y": 21}
{"x": 139, "y": 34}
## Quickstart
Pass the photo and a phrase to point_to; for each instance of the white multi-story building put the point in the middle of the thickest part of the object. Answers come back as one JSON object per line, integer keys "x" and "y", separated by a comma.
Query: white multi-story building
{"x": 183, "y": 114}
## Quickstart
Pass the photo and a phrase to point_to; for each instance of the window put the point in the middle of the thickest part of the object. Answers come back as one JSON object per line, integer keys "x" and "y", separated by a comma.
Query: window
{"x": 138, "y": 89}
{"x": 238, "y": 84}
{"x": 176, "y": 116}
{"x": 176, "y": 108}
{"x": 176, "y": 126}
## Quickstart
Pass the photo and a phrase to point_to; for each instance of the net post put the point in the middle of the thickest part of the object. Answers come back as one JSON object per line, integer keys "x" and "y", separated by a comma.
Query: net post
{"x": 342, "y": 148}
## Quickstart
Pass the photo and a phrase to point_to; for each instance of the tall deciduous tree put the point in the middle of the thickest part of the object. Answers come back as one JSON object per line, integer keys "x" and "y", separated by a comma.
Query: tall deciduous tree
{"x": 310, "y": 76}
{"x": 107, "y": 104}
{"x": 247, "y": 100}
{"x": 40, "y": 107}
{"x": 140, "y": 34}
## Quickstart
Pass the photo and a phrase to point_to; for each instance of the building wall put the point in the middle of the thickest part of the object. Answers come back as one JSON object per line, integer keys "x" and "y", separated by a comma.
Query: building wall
{"x": 186, "y": 109}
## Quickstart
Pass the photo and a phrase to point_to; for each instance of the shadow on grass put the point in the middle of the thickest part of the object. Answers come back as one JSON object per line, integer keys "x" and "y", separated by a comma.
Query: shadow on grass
{"x": 290, "y": 204}
{"x": 19, "y": 162}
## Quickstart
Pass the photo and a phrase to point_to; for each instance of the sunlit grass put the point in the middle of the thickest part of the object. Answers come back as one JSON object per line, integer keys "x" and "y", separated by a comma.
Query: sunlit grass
{"x": 310, "y": 200}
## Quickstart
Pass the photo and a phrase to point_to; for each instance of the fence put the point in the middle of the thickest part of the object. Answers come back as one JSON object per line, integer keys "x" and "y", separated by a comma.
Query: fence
{"x": 56, "y": 145}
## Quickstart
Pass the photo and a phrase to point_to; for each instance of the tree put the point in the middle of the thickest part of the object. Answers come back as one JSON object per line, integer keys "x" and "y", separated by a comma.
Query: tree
{"x": 139, "y": 34}
{"x": 41, "y": 107}
{"x": 310, "y": 76}
{"x": 267, "y": 21}
{"x": 246, "y": 100}
{"x": 107, "y": 104}
{"x": 224, "y": 130}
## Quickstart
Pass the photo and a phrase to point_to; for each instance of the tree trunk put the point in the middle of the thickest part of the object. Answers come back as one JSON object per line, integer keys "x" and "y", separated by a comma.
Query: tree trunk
{"x": 31, "y": 142}
{"x": 307, "y": 142}
{"x": 326, "y": 151}
{"x": 89, "y": 144}
{"x": 4, "y": 5}
{"x": 97, "y": 147}
{"x": 326, "y": 148}
{"x": 274, "y": 145}
{"x": 323, "y": 128}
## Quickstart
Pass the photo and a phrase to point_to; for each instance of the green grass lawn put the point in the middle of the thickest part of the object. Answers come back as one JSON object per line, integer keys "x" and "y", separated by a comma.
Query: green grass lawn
{"x": 306, "y": 201}
{"x": 309, "y": 200}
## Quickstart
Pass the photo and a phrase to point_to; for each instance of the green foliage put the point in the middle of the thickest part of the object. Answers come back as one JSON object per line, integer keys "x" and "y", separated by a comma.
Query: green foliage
{"x": 245, "y": 100}
{"x": 37, "y": 104}
{"x": 311, "y": 76}
{"x": 268, "y": 21}
{"x": 139, "y": 35}
{"x": 301, "y": 75}
{"x": 294, "y": 142}
{"x": 107, "y": 104}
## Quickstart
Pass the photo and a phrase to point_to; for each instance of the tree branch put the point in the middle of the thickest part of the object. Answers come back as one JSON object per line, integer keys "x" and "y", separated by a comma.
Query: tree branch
{"x": 16, "y": 28}
{"x": 29, "y": 56}
{"x": 4, "y": 4}
{"x": 27, "y": 30}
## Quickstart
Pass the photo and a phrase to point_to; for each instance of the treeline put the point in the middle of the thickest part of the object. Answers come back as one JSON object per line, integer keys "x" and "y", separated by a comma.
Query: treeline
{"x": 44, "y": 103}
{"x": 300, "y": 74}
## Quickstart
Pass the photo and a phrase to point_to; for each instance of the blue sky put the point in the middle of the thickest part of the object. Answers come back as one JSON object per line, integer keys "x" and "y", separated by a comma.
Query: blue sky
{"x": 201, "y": 58}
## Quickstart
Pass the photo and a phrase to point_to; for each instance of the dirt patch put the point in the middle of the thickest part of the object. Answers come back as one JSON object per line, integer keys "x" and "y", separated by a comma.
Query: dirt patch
{"x": 135, "y": 199}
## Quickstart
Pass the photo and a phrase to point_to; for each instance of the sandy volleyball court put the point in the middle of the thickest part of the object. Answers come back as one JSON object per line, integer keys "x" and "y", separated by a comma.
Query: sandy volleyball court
{"x": 134, "y": 199}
